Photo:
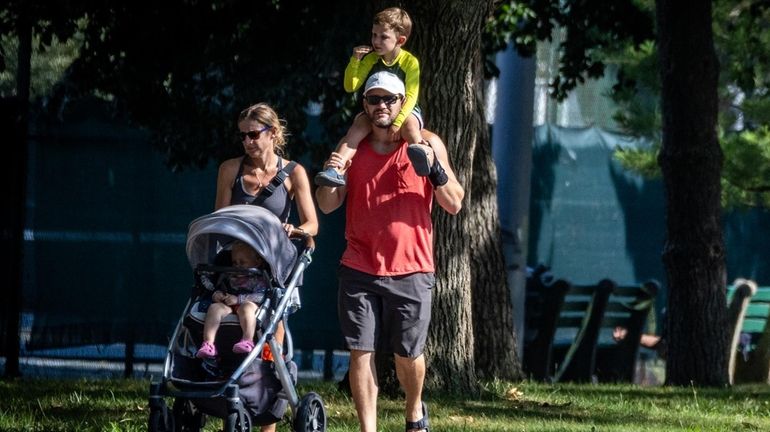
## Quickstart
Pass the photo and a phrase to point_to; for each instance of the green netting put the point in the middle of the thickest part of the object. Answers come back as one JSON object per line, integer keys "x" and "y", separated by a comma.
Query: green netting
{"x": 591, "y": 219}
{"x": 104, "y": 253}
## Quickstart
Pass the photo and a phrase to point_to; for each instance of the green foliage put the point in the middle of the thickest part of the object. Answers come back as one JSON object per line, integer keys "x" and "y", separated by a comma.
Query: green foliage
{"x": 746, "y": 174}
{"x": 590, "y": 25}
{"x": 48, "y": 64}
{"x": 183, "y": 70}
{"x": 741, "y": 39}
{"x": 121, "y": 405}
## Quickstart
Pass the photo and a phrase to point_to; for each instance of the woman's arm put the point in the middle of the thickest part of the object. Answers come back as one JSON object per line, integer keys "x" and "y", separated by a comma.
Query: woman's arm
{"x": 225, "y": 178}
{"x": 300, "y": 185}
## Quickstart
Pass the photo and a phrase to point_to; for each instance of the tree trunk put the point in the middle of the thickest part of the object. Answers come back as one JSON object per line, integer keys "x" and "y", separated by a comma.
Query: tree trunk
{"x": 691, "y": 162}
{"x": 16, "y": 115}
{"x": 452, "y": 99}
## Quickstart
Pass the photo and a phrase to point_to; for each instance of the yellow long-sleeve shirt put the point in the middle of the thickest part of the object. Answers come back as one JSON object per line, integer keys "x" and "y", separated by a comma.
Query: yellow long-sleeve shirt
{"x": 405, "y": 66}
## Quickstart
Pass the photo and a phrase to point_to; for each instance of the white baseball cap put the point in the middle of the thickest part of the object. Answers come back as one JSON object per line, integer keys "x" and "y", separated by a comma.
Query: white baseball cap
{"x": 387, "y": 81}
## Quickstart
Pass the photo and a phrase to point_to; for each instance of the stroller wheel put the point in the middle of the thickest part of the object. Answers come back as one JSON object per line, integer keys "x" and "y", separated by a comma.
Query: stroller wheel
{"x": 233, "y": 422}
{"x": 187, "y": 417}
{"x": 311, "y": 414}
{"x": 160, "y": 420}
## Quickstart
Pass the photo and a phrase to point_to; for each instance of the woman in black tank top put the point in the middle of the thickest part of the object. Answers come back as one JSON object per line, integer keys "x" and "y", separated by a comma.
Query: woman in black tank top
{"x": 244, "y": 180}
{"x": 241, "y": 180}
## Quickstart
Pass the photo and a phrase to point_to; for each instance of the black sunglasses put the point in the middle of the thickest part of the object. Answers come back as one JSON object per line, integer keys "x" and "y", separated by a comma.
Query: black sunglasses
{"x": 253, "y": 134}
{"x": 375, "y": 100}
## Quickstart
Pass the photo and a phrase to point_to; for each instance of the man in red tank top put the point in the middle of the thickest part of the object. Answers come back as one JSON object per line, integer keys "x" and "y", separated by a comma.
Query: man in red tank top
{"x": 387, "y": 271}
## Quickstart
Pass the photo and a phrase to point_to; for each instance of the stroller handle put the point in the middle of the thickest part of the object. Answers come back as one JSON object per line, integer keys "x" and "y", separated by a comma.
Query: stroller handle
{"x": 300, "y": 234}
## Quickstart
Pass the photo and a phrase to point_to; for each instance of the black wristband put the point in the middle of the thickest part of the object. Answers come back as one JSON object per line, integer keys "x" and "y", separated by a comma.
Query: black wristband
{"x": 437, "y": 174}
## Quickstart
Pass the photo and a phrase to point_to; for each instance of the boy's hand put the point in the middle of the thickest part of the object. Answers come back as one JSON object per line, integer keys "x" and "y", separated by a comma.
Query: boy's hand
{"x": 360, "y": 51}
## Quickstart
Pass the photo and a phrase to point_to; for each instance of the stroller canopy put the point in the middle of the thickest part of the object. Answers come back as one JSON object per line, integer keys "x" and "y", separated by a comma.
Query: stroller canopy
{"x": 254, "y": 225}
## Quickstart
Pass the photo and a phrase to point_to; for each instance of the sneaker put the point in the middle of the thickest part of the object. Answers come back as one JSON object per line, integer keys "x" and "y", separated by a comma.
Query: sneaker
{"x": 419, "y": 158}
{"x": 329, "y": 177}
{"x": 207, "y": 350}
{"x": 245, "y": 346}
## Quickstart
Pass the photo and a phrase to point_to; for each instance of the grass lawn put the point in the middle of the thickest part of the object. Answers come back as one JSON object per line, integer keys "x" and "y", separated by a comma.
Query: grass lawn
{"x": 121, "y": 405}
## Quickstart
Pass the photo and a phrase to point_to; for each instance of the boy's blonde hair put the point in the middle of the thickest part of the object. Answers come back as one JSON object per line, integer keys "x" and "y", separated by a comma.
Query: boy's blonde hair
{"x": 395, "y": 19}
{"x": 265, "y": 114}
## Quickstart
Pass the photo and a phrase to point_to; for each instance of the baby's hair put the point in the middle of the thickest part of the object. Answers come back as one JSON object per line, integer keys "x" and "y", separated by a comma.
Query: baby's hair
{"x": 396, "y": 19}
{"x": 265, "y": 114}
{"x": 238, "y": 244}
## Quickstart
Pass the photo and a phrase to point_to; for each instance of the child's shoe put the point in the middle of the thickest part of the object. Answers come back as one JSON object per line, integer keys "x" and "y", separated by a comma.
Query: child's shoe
{"x": 245, "y": 346}
{"x": 419, "y": 159}
{"x": 329, "y": 177}
{"x": 207, "y": 350}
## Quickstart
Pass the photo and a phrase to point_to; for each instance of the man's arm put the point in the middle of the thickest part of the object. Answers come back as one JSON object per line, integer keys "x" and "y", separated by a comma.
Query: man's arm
{"x": 449, "y": 195}
{"x": 329, "y": 198}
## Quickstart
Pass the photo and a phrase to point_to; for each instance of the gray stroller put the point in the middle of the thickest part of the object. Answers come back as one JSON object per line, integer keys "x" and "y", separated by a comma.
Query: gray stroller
{"x": 241, "y": 389}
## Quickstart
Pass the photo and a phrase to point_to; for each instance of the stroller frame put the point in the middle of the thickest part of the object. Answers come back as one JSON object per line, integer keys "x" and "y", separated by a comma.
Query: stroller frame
{"x": 308, "y": 413}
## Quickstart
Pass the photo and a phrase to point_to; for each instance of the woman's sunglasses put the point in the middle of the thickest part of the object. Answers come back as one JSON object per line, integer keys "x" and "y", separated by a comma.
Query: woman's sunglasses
{"x": 253, "y": 134}
{"x": 375, "y": 100}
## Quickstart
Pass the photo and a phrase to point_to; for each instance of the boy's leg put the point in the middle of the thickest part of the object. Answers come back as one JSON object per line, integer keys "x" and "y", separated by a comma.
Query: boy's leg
{"x": 419, "y": 155}
{"x": 332, "y": 175}
{"x": 410, "y": 130}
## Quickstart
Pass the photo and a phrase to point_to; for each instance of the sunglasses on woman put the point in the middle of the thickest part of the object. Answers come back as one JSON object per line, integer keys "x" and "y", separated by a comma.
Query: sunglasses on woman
{"x": 253, "y": 134}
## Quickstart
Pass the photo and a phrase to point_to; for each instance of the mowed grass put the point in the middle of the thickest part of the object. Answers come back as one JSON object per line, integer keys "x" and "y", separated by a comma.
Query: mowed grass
{"x": 121, "y": 405}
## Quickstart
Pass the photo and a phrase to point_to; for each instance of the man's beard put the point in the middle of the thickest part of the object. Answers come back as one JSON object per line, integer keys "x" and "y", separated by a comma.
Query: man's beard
{"x": 382, "y": 123}
{"x": 379, "y": 122}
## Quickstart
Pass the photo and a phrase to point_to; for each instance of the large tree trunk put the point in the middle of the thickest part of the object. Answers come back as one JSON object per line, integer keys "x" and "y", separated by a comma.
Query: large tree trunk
{"x": 449, "y": 48}
{"x": 495, "y": 343}
{"x": 691, "y": 162}
{"x": 15, "y": 113}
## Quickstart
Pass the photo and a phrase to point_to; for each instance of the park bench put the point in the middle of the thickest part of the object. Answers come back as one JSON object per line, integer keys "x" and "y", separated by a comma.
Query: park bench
{"x": 577, "y": 331}
{"x": 544, "y": 298}
{"x": 750, "y": 347}
{"x": 561, "y": 326}
{"x": 564, "y": 322}
{"x": 628, "y": 307}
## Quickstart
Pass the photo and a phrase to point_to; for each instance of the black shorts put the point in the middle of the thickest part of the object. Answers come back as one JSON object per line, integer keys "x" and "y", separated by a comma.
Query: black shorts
{"x": 384, "y": 313}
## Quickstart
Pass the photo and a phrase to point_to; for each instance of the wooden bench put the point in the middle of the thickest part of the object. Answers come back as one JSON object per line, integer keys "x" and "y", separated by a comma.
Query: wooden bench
{"x": 544, "y": 299}
{"x": 628, "y": 307}
{"x": 564, "y": 324}
{"x": 750, "y": 348}
{"x": 578, "y": 327}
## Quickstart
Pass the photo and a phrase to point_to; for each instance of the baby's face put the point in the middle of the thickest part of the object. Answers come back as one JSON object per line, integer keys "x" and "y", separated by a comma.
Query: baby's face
{"x": 245, "y": 258}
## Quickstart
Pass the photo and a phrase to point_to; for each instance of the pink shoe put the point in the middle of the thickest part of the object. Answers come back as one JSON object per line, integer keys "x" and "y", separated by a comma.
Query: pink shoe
{"x": 207, "y": 350}
{"x": 243, "y": 347}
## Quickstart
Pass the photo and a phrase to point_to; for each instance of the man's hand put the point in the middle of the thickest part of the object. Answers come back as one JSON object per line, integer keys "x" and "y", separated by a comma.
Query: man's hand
{"x": 360, "y": 51}
{"x": 338, "y": 162}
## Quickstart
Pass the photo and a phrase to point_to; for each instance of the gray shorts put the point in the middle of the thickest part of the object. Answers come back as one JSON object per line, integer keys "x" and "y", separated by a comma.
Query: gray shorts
{"x": 384, "y": 313}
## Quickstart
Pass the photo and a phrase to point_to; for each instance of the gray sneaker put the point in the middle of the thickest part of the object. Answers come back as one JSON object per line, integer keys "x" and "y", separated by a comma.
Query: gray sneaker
{"x": 419, "y": 158}
{"x": 329, "y": 177}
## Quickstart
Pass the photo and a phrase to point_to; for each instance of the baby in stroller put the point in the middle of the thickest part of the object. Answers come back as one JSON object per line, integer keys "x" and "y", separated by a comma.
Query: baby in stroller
{"x": 237, "y": 302}
{"x": 239, "y": 294}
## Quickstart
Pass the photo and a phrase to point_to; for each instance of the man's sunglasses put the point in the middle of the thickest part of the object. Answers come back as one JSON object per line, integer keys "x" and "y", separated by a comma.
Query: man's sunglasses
{"x": 375, "y": 100}
{"x": 253, "y": 134}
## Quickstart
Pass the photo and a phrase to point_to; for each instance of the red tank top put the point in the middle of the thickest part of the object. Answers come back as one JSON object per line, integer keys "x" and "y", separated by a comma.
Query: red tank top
{"x": 388, "y": 226}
